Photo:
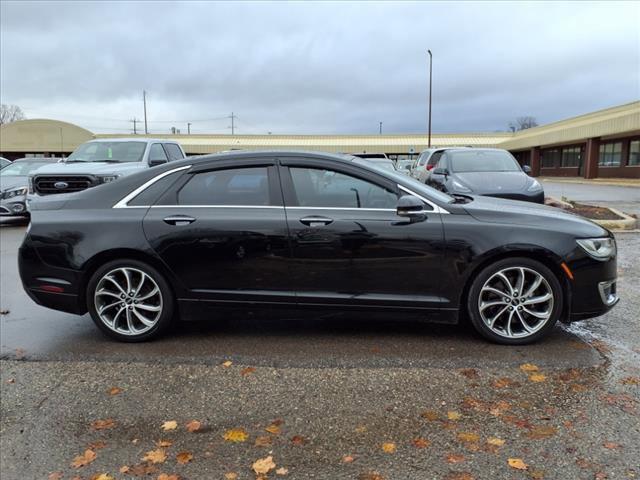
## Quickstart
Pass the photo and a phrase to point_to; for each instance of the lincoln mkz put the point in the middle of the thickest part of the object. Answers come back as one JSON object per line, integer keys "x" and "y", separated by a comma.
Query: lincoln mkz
{"x": 306, "y": 232}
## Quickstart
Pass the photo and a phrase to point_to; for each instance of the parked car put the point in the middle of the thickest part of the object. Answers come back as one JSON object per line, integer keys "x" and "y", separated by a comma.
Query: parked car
{"x": 102, "y": 161}
{"x": 4, "y": 162}
{"x": 371, "y": 155}
{"x": 484, "y": 171}
{"x": 384, "y": 163}
{"x": 314, "y": 232}
{"x": 427, "y": 161}
{"x": 14, "y": 184}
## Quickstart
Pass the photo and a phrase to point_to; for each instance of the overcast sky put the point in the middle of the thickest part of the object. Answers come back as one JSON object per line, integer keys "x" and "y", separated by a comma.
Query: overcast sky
{"x": 316, "y": 67}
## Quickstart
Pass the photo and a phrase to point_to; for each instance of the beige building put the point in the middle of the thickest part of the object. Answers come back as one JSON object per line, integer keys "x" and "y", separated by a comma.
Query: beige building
{"x": 605, "y": 143}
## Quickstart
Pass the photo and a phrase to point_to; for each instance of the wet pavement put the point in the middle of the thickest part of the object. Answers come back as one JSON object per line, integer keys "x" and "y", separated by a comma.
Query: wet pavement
{"x": 325, "y": 398}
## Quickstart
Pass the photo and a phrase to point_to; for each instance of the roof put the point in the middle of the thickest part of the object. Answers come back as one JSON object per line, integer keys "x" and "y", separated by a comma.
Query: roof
{"x": 134, "y": 139}
{"x": 42, "y": 135}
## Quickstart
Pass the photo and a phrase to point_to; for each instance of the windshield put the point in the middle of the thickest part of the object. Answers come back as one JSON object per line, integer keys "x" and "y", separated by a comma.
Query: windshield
{"x": 18, "y": 169}
{"x": 108, "y": 152}
{"x": 482, "y": 161}
{"x": 384, "y": 164}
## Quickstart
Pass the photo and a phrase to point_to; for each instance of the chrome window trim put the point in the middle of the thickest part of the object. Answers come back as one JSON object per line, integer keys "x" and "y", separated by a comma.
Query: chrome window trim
{"x": 436, "y": 208}
{"x": 297, "y": 207}
{"x": 126, "y": 199}
{"x": 216, "y": 206}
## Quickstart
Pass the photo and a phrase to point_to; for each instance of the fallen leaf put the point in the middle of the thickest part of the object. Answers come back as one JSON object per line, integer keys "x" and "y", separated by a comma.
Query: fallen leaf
{"x": 143, "y": 469}
{"x": 430, "y": 415}
{"x": 347, "y": 459}
{"x": 528, "y": 367}
{"x": 389, "y": 447}
{"x": 282, "y": 471}
{"x": 455, "y": 458}
{"x": 497, "y": 442}
{"x": 536, "y": 474}
{"x": 184, "y": 458}
{"x": 361, "y": 429}
{"x": 469, "y": 373}
{"x": 459, "y": 476}
{"x": 193, "y": 426}
{"x": 164, "y": 443}
{"x": 630, "y": 381}
{"x": 298, "y": 440}
{"x": 55, "y": 476}
{"x": 537, "y": 377}
{"x": 247, "y": 371}
{"x": 103, "y": 424}
{"x": 102, "y": 476}
{"x": 10, "y": 381}
{"x": 503, "y": 382}
{"x": 227, "y": 364}
{"x": 231, "y": 475}
{"x": 420, "y": 442}
{"x": 517, "y": 463}
{"x": 85, "y": 459}
{"x": 468, "y": 437}
{"x": 541, "y": 432}
{"x": 124, "y": 469}
{"x": 236, "y": 435}
{"x": 264, "y": 441}
{"x": 263, "y": 465}
{"x": 273, "y": 428}
{"x": 169, "y": 425}
{"x": 115, "y": 391}
{"x": 611, "y": 445}
{"x": 370, "y": 476}
{"x": 155, "y": 456}
{"x": 453, "y": 415}
{"x": 164, "y": 476}
{"x": 96, "y": 445}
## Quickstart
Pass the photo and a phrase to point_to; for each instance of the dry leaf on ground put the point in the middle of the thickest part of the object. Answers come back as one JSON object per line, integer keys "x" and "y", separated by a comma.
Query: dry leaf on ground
{"x": 529, "y": 367}
{"x": 103, "y": 424}
{"x": 273, "y": 428}
{"x": 124, "y": 469}
{"x": 517, "y": 463}
{"x": 164, "y": 443}
{"x": 115, "y": 391}
{"x": 55, "y": 476}
{"x": 537, "y": 377}
{"x": 184, "y": 457}
{"x": 282, "y": 471}
{"x": 85, "y": 459}
{"x": 169, "y": 425}
{"x": 389, "y": 447}
{"x": 468, "y": 437}
{"x": 459, "y": 476}
{"x": 541, "y": 432}
{"x": 231, "y": 476}
{"x": 430, "y": 415}
{"x": 164, "y": 476}
{"x": 102, "y": 476}
{"x": 298, "y": 440}
{"x": 347, "y": 459}
{"x": 227, "y": 363}
{"x": 235, "y": 435}
{"x": 263, "y": 465}
{"x": 454, "y": 415}
{"x": 497, "y": 442}
{"x": 247, "y": 371}
{"x": 155, "y": 456}
{"x": 611, "y": 445}
{"x": 455, "y": 458}
{"x": 263, "y": 441}
{"x": 503, "y": 382}
{"x": 193, "y": 426}
{"x": 97, "y": 445}
{"x": 370, "y": 476}
{"x": 420, "y": 442}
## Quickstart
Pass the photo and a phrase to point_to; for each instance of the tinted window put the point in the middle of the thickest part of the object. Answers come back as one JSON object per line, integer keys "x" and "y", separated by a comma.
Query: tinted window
{"x": 435, "y": 157}
{"x": 238, "y": 186}
{"x": 422, "y": 159}
{"x": 482, "y": 161}
{"x": 327, "y": 188}
{"x": 157, "y": 152}
{"x": 110, "y": 151}
{"x": 149, "y": 195}
{"x": 173, "y": 151}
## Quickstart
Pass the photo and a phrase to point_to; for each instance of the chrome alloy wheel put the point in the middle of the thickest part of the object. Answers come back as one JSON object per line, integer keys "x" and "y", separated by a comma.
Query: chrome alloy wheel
{"x": 128, "y": 301}
{"x": 516, "y": 302}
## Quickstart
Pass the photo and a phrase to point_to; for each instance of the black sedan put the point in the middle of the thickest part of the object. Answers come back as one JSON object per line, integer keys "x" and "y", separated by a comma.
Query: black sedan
{"x": 287, "y": 231}
{"x": 484, "y": 171}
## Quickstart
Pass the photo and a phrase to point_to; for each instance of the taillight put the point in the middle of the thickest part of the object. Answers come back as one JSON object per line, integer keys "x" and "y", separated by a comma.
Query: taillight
{"x": 430, "y": 167}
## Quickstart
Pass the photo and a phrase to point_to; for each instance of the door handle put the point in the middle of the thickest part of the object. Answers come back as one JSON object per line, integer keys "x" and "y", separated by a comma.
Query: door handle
{"x": 179, "y": 220}
{"x": 316, "y": 221}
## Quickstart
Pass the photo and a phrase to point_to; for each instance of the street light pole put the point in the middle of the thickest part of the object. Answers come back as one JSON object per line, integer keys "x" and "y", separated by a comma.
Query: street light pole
{"x": 380, "y": 128}
{"x": 430, "y": 79}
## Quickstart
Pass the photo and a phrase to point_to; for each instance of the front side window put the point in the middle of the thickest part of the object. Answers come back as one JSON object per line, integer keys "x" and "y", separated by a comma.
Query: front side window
{"x": 331, "y": 189}
{"x": 173, "y": 151}
{"x": 157, "y": 153}
{"x": 236, "y": 186}
{"x": 634, "y": 152}
{"x": 610, "y": 154}
{"x": 108, "y": 152}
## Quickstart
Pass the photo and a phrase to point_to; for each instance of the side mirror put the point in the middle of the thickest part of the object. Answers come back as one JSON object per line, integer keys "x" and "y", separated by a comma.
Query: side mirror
{"x": 157, "y": 161}
{"x": 440, "y": 171}
{"x": 526, "y": 169}
{"x": 410, "y": 206}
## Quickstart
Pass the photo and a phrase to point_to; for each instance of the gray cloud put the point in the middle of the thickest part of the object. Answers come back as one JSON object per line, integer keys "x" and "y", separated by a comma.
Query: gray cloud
{"x": 317, "y": 67}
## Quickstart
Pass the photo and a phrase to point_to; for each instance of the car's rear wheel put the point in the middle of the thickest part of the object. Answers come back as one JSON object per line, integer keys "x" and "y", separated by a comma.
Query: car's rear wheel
{"x": 130, "y": 301}
{"x": 515, "y": 301}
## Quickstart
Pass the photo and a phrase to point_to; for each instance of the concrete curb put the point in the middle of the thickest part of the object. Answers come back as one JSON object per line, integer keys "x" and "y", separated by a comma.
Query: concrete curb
{"x": 610, "y": 183}
{"x": 625, "y": 223}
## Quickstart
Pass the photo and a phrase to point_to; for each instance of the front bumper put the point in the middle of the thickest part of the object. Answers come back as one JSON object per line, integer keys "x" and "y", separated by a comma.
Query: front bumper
{"x": 14, "y": 207}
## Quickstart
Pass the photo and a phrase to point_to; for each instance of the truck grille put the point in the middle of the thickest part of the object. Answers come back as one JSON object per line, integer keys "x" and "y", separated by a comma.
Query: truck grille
{"x": 47, "y": 185}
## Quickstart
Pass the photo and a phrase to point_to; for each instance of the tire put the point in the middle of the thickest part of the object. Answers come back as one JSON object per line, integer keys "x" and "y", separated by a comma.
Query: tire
{"x": 145, "y": 312}
{"x": 520, "y": 322}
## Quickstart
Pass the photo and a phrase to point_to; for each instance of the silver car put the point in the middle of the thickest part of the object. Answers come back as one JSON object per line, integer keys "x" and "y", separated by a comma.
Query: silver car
{"x": 14, "y": 184}
{"x": 427, "y": 161}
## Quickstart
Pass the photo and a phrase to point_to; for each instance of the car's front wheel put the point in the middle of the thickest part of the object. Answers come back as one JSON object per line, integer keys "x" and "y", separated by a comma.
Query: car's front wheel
{"x": 130, "y": 301}
{"x": 515, "y": 301}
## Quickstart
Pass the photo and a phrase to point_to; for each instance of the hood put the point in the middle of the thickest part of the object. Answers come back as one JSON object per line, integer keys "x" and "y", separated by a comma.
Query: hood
{"x": 498, "y": 210}
{"x": 9, "y": 181}
{"x": 90, "y": 168}
{"x": 483, "y": 183}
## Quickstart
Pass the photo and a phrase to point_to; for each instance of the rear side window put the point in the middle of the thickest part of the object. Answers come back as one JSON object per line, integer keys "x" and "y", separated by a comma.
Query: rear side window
{"x": 237, "y": 186}
{"x": 433, "y": 160}
{"x": 157, "y": 152}
{"x": 173, "y": 151}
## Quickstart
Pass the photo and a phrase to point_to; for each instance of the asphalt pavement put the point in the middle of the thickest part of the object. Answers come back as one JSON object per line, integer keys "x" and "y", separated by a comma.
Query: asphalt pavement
{"x": 325, "y": 398}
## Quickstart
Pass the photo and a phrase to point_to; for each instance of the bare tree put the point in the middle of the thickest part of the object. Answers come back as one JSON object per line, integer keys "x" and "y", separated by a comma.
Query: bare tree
{"x": 522, "y": 123}
{"x": 10, "y": 113}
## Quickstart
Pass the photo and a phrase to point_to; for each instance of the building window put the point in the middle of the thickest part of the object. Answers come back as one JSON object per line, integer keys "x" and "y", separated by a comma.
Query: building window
{"x": 634, "y": 152}
{"x": 571, "y": 157}
{"x": 550, "y": 158}
{"x": 610, "y": 154}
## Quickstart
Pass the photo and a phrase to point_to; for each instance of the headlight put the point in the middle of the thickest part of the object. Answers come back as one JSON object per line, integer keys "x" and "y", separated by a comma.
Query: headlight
{"x": 108, "y": 178}
{"x": 459, "y": 187}
{"x": 535, "y": 186}
{"x": 598, "y": 248}
{"x": 17, "y": 192}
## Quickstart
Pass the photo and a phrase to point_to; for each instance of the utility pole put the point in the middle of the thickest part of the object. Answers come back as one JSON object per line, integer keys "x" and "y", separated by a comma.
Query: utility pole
{"x": 233, "y": 125}
{"x": 380, "y": 128}
{"x": 430, "y": 78}
{"x": 144, "y": 100}
{"x": 188, "y": 128}
{"x": 135, "y": 124}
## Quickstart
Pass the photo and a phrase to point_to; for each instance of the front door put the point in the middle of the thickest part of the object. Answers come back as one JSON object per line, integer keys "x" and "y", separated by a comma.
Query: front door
{"x": 222, "y": 231}
{"x": 350, "y": 248}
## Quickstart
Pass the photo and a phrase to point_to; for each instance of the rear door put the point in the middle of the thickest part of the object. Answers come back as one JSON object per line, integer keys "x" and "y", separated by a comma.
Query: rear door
{"x": 221, "y": 229}
{"x": 349, "y": 247}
